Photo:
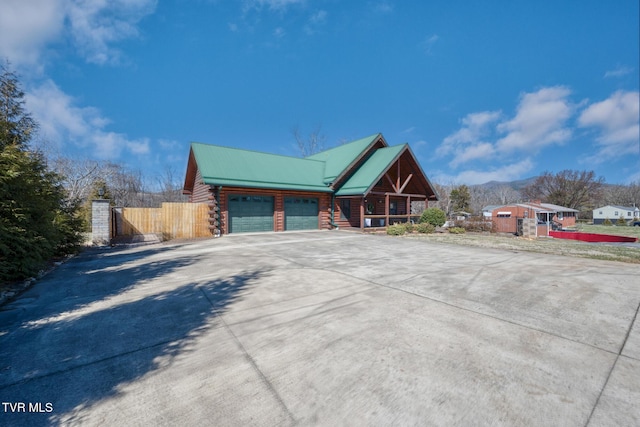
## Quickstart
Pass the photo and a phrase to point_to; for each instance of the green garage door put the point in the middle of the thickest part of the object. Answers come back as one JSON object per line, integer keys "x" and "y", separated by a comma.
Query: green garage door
{"x": 250, "y": 213}
{"x": 300, "y": 213}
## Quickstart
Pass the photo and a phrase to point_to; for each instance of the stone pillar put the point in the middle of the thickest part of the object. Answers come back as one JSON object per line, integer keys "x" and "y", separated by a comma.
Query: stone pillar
{"x": 100, "y": 222}
{"x": 529, "y": 228}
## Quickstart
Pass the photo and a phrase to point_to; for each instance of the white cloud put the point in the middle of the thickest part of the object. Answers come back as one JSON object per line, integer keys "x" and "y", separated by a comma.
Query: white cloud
{"x": 428, "y": 43}
{"x": 540, "y": 121}
{"x": 466, "y": 144}
{"x": 315, "y": 22}
{"x": 383, "y": 7}
{"x": 275, "y": 5}
{"x": 97, "y": 24}
{"x": 482, "y": 150}
{"x": 542, "y": 118}
{"x": 62, "y": 121}
{"x": 320, "y": 17}
{"x": 618, "y": 72}
{"x": 28, "y": 27}
{"x": 617, "y": 120}
{"x": 505, "y": 173}
{"x": 279, "y": 32}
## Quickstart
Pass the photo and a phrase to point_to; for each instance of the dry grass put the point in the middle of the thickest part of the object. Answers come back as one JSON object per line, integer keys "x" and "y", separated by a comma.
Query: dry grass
{"x": 603, "y": 251}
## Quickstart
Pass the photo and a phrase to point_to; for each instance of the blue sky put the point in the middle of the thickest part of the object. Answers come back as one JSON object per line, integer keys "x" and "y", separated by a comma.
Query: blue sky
{"x": 481, "y": 90}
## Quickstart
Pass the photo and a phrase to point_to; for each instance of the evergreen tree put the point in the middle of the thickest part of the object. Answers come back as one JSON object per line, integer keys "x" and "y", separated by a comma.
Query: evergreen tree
{"x": 37, "y": 221}
{"x": 461, "y": 199}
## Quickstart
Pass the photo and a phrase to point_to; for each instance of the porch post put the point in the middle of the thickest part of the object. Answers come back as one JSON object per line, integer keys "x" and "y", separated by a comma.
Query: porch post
{"x": 362, "y": 213}
{"x": 547, "y": 224}
{"x": 386, "y": 210}
{"x": 408, "y": 209}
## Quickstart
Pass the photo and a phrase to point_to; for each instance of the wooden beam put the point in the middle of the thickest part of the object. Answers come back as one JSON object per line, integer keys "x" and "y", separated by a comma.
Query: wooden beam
{"x": 406, "y": 181}
{"x": 386, "y": 210}
{"x": 408, "y": 207}
{"x": 398, "y": 179}
{"x": 381, "y": 193}
{"x": 395, "y": 189}
{"x": 362, "y": 213}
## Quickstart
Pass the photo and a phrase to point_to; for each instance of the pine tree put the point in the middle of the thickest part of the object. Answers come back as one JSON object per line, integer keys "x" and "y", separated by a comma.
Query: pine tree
{"x": 37, "y": 222}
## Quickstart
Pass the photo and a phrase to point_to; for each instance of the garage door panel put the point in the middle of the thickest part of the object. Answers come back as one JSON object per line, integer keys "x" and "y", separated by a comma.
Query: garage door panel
{"x": 250, "y": 213}
{"x": 301, "y": 213}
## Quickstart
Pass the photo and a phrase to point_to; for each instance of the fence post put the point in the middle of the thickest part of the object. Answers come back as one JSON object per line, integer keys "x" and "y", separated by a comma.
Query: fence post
{"x": 100, "y": 222}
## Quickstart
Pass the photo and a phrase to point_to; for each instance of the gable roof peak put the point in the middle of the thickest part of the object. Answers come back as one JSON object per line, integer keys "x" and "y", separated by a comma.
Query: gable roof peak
{"x": 341, "y": 159}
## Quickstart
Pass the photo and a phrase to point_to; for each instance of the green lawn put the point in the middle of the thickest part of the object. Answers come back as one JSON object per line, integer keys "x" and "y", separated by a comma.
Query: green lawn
{"x": 565, "y": 247}
{"x": 610, "y": 229}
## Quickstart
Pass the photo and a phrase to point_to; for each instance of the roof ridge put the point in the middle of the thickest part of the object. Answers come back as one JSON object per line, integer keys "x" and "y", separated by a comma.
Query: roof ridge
{"x": 373, "y": 137}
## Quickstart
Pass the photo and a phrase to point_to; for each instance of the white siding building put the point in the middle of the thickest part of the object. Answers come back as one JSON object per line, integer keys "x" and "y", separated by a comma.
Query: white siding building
{"x": 613, "y": 213}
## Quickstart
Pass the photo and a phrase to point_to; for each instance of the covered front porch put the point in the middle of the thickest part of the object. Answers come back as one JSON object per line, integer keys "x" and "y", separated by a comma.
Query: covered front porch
{"x": 378, "y": 210}
{"x": 396, "y": 192}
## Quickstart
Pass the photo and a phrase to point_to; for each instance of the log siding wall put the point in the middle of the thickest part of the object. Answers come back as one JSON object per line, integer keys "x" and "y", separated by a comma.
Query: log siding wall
{"x": 201, "y": 191}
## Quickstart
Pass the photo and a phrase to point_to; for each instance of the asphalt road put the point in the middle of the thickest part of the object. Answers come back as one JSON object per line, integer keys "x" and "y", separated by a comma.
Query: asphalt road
{"x": 323, "y": 328}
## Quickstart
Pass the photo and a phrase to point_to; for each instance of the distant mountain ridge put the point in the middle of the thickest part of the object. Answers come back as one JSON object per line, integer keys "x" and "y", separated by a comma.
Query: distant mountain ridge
{"x": 516, "y": 185}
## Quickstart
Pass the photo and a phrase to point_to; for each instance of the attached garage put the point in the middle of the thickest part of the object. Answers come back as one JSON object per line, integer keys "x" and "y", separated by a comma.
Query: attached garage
{"x": 300, "y": 213}
{"x": 249, "y": 213}
{"x": 249, "y": 191}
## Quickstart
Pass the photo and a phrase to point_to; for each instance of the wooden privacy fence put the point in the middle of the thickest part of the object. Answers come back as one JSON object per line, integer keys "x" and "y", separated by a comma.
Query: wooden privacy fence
{"x": 171, "y": 220}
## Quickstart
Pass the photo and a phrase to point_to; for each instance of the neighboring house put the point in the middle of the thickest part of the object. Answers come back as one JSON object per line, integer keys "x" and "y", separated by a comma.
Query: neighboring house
{"x": 487, "y": 211}
{"x": 361, "y": 184}
{"x": 549, "y": 216}
{"x": 613, "y": 213}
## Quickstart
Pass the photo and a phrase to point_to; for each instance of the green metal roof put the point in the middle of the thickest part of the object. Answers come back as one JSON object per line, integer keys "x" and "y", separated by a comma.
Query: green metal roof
{"x": 371, "y": 171}
{"x": 338, "y": 159}
{"x": 242, "y": 168}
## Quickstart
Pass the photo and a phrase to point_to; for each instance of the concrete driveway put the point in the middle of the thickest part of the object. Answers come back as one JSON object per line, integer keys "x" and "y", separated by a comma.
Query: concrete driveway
{"x": 323, "y": 328}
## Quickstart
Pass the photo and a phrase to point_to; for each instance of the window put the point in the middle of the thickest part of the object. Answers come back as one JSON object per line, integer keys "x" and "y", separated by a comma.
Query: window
{"x": 345, "y": 209}
{"x": 600, "y": 213}
{"x": 615, "y": 213}
{"x": 628, "y": 213}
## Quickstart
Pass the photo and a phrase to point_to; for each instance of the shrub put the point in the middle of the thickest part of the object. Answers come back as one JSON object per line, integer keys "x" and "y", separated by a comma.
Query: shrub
{"x": 433, "y": 216}
{"x": 607, "y": 221}
{"x": 408, "y": 227}
{"x": 621, "y": 221}
{"x": 457, "y": 230}
{"x": 396, "y": 230}
{"x": 425, "y": 228}
{"x": 476, "y": 224}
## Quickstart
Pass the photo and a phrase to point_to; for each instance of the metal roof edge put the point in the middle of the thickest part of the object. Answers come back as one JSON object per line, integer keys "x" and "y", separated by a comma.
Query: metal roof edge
{"x": 386, "y": 168}
{"x": 376, "y": 137}
{"x": 415, "y": 159}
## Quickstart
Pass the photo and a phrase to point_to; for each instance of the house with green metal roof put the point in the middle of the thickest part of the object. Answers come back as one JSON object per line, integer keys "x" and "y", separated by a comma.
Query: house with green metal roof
{"x": 363, "y": 184}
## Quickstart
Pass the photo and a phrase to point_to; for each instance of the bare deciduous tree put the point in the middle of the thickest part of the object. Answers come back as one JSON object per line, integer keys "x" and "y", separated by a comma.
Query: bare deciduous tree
{"x": 444, "y": 200}
{"x": 622, "y": 195}
{"x": 170, "y": 188}
{"x": 311, "y": 144}
{"x": 570, "y": 188}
